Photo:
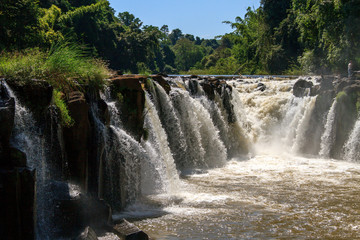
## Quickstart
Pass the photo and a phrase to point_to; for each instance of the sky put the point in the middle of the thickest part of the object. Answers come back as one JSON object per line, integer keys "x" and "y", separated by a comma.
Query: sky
{"x": 201, "y": 18}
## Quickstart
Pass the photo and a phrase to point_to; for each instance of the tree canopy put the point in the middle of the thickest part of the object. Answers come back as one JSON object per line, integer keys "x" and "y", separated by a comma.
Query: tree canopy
{"x": 279, "y": 37}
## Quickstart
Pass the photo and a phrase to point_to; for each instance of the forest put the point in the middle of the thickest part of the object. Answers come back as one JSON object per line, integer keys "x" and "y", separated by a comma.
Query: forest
{"x": 279, "y": 37}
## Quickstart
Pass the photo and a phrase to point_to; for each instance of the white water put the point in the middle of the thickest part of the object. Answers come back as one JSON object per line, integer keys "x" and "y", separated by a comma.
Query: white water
{"x": 271, "y": 193}
{"x": 160, "y": 165}
{"x": 328, "y": 137}
{"x": 352, "y": 146}
{"x": 27, "y": 137}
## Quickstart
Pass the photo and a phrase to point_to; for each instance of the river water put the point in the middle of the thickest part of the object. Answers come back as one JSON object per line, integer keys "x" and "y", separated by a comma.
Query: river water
{"x": 265, "y": 197}
{"x": 276, "y": 191}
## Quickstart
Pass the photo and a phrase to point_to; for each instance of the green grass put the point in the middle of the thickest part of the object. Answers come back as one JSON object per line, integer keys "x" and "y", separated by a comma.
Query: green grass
{"x": 66, "y": 119}
{"x": 65, "y": 67}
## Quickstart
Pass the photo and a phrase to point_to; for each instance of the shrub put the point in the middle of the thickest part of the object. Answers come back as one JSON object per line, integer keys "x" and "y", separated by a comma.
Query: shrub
{"x": 66, "y": 119}
{"x": 65, "y": 66}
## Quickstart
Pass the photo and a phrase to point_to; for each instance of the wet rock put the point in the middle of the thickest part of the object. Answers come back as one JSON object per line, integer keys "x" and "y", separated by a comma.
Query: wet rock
{"x": 128, "y": 90}
{"x": 300, "y": 87}
{"x": 346, "y": 115}
{"x": 260, "y": 87}
{"x": 87, "y": 234}
{"x": 34, "y": 94}
{"x": 129, "y": 231}
{"x": 327, "y": 83}
{"x": 163, "y": 83}
{"x": 7, "y": 114}
{"x": 17, "y": 198}
{"x": 317, "y": 122}
{"x": 209, "y": 90}
{"x": 17, "y": 157}
{"x": 104, "y": 114}
{"x": 76, "y": 138}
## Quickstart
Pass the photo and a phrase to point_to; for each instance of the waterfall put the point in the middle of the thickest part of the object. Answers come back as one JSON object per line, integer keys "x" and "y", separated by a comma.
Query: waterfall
{"x": 303, "y": 125}
{"x": 352, "y": 145}
{"x": 328, "y": 137}
{"x": 123, "y": 157}
{"x": 159, "y": 167}
{"x": 171, "y": 123}
{"x": 28, "y": 138}
{"x": 205, "y": 148}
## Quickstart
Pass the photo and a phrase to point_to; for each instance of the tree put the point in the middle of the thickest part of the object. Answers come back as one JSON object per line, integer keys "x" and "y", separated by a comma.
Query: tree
{"x": 175, "y": 35}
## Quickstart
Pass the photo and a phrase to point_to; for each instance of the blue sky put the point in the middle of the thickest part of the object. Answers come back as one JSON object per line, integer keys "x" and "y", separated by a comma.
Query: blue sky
{"x": 201, "y": 18}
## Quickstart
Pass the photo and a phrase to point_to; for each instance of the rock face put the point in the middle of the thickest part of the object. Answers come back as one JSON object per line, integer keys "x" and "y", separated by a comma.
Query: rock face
{"x": 300, "y": 87}
{"x": 160, "y": 79}
{"x": 76, "y": 138}
{"x": 7, "y": 114}
{"x": 34, "y": 94}
{"x": 17, "y": 198}
{"x": 128, "y": 90}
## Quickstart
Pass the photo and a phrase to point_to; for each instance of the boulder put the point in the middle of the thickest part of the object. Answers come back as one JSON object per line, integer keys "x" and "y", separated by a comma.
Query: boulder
{"x": 129, "y": 231}
{"x": 299, "y": 88}
{"x": 76, "y": 138}
{"x": 260, "y": 87}
{"x": 87, "y": 234}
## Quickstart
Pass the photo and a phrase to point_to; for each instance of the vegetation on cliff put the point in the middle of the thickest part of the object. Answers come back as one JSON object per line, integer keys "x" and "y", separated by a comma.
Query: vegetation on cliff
{"x": 279, "y": 37}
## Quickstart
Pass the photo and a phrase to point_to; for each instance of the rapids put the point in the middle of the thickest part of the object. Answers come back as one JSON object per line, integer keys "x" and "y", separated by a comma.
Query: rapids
{"x": 270, "y": 189}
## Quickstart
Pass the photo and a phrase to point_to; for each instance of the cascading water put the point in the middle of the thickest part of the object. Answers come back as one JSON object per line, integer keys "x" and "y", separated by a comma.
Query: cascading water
{"x": 27, "y": 137}
{"x": 170, "y": 122}
{"x": 300, "y": 138}
{"x": 261, "y": 187}
{"x": 205, "y": 148}
{"x": 352, "y": 146}
{"x": 123, "y": 157}
{"x": 327, "y": 139}
{"x": 160, "y": 160}
{"x": 271, "y": 193}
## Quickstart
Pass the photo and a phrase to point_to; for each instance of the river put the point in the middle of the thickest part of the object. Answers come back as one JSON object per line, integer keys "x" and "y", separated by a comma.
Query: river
{"x": 276, "y": 191}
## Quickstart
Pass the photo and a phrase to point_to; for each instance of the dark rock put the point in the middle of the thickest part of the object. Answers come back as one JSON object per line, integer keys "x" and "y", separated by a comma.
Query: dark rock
{"x": 299, "y": 88}
{"x": 317, "y": 122}
{"x": 327, "y": 83}
{"x": 17, "y": 198}
{"x": 76, "y": 139}
{"x": 7, "y": 114}
{"x": 209, "y": 90}
{"x": 104, "y": 114}
{"x": 260, "y": 87}
{"x": 315, "y": 90}
{"x": 34, "y": 94}
{"x": 87, "y": 234}
{"x": 163, "y": 83}
{"x": 17, "y": 157}
{"x": 194, "y": 76}
{"x": 128, "y": 90}
{"x": 129, "y": 231}
{"x": 70, "y": 218}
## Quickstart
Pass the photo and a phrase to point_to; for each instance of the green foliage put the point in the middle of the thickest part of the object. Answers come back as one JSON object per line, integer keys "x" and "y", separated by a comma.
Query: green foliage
{"x": 58, "y": 99}
{"x": 341, "y": 96}
{"x": 64, "y": 66}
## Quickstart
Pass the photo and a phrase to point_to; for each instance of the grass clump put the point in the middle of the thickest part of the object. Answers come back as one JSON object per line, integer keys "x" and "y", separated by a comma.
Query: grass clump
{"x": 65, "y": 66}
{"x": 58, "y": 99}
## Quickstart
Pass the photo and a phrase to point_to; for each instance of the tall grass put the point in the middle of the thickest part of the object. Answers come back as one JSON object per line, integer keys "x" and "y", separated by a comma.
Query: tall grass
{"x": 65, "y": 66}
